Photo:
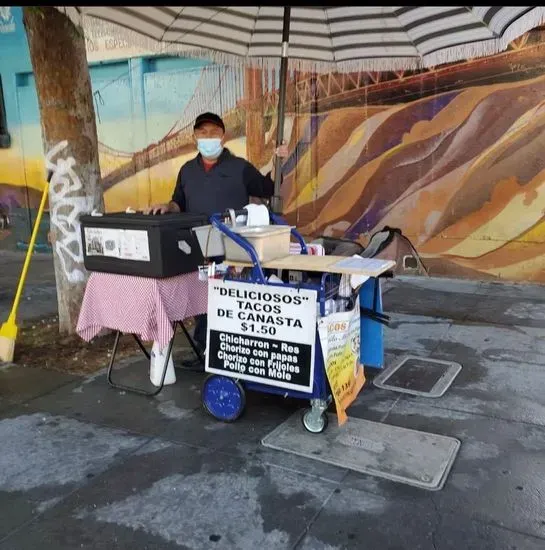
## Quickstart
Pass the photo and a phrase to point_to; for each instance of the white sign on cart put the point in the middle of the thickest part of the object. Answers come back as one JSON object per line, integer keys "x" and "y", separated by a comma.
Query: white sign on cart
{"x": 262, "y": 333}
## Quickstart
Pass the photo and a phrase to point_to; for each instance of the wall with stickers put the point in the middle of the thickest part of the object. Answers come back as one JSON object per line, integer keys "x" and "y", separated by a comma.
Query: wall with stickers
{"x": 451, "y": 156}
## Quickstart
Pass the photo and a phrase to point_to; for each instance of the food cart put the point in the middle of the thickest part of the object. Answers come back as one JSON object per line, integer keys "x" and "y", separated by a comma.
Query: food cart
{"x": 282, "y": 335}
{"x": 281, "y": 323}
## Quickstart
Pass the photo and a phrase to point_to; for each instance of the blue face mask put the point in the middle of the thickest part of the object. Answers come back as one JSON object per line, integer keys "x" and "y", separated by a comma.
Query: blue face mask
{"x": 210, "y": 148}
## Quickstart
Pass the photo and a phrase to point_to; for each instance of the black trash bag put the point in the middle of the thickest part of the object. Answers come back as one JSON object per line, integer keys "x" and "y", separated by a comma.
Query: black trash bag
{"x": 390, "y": 244}
{"x": 339, "y": 247}
{"x": 380, "y": 240}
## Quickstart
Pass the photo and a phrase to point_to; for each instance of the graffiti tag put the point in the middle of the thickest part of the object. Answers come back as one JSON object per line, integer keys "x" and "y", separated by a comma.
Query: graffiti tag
{"x": 66, "y": 206}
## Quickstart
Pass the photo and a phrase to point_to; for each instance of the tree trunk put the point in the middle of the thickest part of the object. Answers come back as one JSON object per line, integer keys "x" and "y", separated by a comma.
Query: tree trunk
{"x": 59, "y": 62}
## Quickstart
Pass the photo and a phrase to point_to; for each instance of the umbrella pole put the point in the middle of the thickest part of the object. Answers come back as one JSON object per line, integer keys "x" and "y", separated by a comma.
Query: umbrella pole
{"x": 276, "y": 200}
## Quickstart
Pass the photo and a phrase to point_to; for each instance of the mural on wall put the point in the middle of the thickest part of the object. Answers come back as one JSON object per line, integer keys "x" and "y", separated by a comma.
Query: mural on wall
{"x": 451, "y": 156}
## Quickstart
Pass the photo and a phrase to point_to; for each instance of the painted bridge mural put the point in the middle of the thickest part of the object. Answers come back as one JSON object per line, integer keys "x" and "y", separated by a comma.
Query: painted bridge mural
{"x": 451, "y": 155}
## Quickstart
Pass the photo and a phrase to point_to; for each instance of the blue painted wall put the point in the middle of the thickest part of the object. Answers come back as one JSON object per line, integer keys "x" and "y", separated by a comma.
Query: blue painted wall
{"x": 137, "y": 101}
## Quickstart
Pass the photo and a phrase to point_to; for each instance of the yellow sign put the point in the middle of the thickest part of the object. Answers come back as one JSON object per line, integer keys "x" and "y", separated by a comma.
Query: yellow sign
{"x": 340, "y": 339}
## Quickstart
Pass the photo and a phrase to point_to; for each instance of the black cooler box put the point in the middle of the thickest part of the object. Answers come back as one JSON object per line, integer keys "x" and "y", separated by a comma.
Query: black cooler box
{"x": 155, "y": 246}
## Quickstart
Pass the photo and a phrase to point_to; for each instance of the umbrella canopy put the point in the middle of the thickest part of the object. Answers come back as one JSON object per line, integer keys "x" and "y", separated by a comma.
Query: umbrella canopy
{"x": 324, "y": 38}
{"x": 341, "y": 38}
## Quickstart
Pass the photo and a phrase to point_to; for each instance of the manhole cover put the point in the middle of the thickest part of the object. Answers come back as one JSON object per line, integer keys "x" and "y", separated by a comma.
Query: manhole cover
{"x": 419, "y": 376}
{"x": 403, "y": 455}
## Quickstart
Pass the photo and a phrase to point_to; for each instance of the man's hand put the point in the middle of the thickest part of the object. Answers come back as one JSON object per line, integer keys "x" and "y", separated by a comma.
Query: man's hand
{"x": 282, "y": 151}
{"x": 158, "y": 209}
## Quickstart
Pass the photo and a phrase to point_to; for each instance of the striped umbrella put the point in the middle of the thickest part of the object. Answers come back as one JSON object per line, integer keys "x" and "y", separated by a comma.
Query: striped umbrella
{"x": 324, "y": 38}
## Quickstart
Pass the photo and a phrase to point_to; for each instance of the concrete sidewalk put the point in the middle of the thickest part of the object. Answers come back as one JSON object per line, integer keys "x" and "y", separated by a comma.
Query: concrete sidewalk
{"x": 85, "y": 466}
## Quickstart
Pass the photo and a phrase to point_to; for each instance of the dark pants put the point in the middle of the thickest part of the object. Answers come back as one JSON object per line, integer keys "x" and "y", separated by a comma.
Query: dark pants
{"x": 199, "y": 334}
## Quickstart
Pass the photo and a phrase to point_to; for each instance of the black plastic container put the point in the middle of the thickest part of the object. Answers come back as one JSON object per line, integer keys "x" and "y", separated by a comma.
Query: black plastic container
{"x": 155, "y": 246}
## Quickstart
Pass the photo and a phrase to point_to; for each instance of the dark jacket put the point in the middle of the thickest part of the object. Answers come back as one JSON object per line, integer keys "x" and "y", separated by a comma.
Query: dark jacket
{"x": 228, "y": 184}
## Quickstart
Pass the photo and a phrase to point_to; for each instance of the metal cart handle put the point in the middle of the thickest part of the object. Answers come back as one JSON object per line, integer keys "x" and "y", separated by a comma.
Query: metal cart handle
{"x": 227, "y": 213}
{"x": 277, "y": 220}
{"x": 241, "y": 241}
{"x": 215, "y": 220}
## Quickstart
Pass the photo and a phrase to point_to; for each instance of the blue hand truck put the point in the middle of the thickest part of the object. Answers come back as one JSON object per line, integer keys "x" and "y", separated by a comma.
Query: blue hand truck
{"x": 223, "y": 397}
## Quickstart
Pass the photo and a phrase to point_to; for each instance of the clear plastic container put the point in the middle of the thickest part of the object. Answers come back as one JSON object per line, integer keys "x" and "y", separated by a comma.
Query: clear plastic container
{"x": 270, "y": 242}
{"x": 210, "y": 241}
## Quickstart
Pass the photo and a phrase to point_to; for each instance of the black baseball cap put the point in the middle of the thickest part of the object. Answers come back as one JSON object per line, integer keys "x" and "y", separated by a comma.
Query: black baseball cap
{"x": 209, "y": 117}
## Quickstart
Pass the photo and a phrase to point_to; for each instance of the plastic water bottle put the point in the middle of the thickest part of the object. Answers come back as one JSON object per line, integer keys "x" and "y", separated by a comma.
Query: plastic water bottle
{"x": 330, "y": 307}
{"x": 345, "y": 292}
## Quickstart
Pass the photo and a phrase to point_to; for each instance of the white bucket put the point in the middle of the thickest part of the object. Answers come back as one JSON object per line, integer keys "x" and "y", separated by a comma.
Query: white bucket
{"x": 157, "y": 364}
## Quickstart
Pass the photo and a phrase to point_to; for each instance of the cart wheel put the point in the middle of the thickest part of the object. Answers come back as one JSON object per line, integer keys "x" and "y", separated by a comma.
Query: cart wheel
{"x": 313, "y": 423}
{"x": 223, "y": 398}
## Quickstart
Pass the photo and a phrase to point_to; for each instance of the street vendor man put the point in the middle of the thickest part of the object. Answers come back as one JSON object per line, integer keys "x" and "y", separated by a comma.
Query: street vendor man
{"x": 215, "y": 181}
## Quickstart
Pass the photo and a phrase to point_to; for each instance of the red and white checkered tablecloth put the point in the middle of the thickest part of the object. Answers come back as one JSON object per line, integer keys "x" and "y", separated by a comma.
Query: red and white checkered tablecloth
{"x": 140, "y": 305}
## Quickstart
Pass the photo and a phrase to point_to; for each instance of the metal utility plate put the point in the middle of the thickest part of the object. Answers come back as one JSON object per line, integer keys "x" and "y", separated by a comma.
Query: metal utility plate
{"x": 407, "y": 456}
{"x": 419, "y": 376}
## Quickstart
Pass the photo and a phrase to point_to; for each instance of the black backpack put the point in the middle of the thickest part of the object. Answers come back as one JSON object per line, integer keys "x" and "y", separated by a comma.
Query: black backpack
{"x": 379, "y": 241}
